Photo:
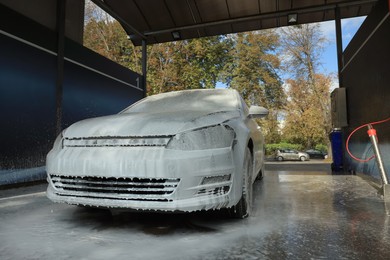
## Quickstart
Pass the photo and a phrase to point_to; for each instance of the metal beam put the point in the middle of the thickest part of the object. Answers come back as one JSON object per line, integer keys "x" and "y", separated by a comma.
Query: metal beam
{"x": 119, "y": 18}
{"x": 339, "y": 45}
{"x": 144, "y": 65}
{"x": 61, "y": 7}
{"x": 269, "y": 15}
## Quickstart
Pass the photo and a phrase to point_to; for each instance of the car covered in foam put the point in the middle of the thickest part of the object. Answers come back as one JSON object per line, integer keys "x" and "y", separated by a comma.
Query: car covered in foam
{"x": 181, "y": 151}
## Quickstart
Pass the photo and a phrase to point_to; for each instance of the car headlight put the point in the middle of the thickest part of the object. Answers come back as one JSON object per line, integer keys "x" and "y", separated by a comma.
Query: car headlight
{"x": 213, "y": 137}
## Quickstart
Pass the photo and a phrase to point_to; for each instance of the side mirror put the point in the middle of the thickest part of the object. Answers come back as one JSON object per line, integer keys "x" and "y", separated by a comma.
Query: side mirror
{"x": 257, "y": 112}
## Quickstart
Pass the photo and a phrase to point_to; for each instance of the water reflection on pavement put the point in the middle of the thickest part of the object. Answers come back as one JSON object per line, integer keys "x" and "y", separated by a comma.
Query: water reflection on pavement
{"x": 296, "y": 215}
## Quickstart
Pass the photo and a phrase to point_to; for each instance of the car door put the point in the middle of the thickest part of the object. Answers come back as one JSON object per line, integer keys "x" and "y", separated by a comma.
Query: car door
{"x": 295, "y": 155}
{"x": 287, "y": 153}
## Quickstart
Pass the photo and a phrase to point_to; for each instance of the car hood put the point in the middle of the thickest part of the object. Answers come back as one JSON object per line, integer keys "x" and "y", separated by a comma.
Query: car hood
{"x": 147, "y": 124}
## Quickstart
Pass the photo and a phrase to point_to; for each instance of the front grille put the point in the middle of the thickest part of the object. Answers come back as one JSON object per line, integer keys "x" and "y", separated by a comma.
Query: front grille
{"x": 142, "y": 189}
{"x": 158, "y": 141}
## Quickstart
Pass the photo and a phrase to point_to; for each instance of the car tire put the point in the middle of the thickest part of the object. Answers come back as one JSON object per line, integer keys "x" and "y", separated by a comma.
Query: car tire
{"x": 243, "y": 208}
{"x": 302, "y": 158}
{"x": 280, "y": 158}
{"x": 260, "y": 175}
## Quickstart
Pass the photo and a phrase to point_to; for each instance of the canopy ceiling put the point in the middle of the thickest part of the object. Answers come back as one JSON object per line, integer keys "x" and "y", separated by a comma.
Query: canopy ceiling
{"x": 156, "y": 20}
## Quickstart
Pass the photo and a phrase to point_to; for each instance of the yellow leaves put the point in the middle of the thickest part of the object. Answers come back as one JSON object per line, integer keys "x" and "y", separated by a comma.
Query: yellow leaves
{"x": 306, "y": 120}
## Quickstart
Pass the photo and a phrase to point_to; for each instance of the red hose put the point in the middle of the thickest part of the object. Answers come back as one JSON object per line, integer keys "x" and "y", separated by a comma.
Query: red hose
{"x": 358, "y": 128}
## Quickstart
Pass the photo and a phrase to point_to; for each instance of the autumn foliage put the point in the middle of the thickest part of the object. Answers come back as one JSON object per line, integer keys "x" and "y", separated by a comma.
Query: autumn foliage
{"x": 252, "y": 62}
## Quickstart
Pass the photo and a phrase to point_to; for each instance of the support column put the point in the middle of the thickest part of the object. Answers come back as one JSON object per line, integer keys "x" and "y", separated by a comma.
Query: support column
{"x": 61, "y": 6}
{"x": 339, "y": 42}
{"x": 144, "y": 66}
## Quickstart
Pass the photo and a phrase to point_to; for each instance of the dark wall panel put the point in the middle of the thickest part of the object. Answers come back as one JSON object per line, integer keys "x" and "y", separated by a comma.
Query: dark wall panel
{"x": 367, "y": 80}
{"x": 93, "y": 86}
{"x": 90, "y": 94}
{"x": 27, "y": 103}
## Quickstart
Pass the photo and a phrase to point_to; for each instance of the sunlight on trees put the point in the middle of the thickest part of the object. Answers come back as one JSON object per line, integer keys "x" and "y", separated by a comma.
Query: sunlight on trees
{"x": 307, "y": 112}
{"x": 249, "y": 62}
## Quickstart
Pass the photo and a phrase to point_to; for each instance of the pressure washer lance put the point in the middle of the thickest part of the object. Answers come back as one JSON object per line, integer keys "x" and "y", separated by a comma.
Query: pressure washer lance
{"x": 372, "y": 134}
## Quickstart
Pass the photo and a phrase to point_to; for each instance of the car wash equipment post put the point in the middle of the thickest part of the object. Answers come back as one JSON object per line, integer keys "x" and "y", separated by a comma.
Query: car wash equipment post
{"x": 372, "y": 134}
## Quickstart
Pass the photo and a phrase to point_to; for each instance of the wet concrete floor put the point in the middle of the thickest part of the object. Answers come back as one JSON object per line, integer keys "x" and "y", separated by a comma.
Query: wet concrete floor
{"x": 321, "y": 216}
{"x": 296, "y": 215}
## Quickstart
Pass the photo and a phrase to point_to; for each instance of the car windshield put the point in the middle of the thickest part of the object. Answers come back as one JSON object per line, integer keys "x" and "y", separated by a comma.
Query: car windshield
{"x": 209, "y": 100}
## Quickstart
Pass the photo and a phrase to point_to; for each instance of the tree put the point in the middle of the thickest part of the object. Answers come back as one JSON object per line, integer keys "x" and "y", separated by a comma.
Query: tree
{"x": 172, "y": 66}
{"x": 304, "y": 123}
{"x": 106, "y": 36}
{"x": 246, "y": 62}
{"x": 307, "y": 111}
{"x": 187, "y": 64}
{"x": 252, "y": 70}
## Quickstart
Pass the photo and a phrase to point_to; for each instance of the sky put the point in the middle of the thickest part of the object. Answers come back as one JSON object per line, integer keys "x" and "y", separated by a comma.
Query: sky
{"x": 348, "y": 27}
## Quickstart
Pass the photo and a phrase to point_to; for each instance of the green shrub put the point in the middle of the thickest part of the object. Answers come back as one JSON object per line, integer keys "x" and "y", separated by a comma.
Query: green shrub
{"x": 322, "y": 147}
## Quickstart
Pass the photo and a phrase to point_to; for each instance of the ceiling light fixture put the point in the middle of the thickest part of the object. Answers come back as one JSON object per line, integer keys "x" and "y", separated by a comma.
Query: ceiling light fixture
{"x": 176, "y": 35}
{"x": 292, "y": 19}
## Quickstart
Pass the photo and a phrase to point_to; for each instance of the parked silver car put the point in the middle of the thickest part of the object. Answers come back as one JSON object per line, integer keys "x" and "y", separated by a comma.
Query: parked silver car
{"x": 289, "y": 154}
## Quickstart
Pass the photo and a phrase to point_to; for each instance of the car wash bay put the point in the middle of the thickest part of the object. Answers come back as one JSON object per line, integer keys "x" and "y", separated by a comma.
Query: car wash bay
{"x": 296, "y": 215}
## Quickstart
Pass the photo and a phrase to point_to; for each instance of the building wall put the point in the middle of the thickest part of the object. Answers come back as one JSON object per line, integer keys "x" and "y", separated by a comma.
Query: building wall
{"x": 92, "y": 86}
{"x": 366, "y": 77}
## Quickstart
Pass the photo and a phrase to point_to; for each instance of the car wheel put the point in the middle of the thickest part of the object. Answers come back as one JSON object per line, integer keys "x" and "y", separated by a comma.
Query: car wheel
{"x": 259, "y": 175}
{"x": 280, "y": 158}
{"x": 243, "y": 207}
{"x": 303, "y": 158}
